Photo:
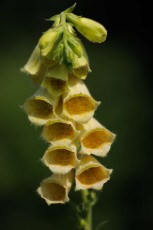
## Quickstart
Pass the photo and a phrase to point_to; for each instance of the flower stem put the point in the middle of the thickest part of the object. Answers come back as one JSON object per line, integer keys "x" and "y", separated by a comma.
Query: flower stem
{"x": 88, "y": 200}
{"x": 89, "y": 218}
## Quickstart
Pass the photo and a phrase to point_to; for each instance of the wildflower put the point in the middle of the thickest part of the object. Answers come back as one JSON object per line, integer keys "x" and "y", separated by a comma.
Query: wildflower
{"x": 65, "y": 108}
{"x": 95, "y": 138}
{"x": 55, "y": 189}
{"x": 55, "y": 87}
{"x": 60, "y": 159}
{"x": 34, "y": 67}
{"x": 55, "y": 80}
{"x": 91, "y": 174}
{"x": 78, "y": 104}
{"x": 58, "y": 131}
{"x": 80, "y": 67}
{"x": 40, "y": 107}
{"x": 92, "y": 30}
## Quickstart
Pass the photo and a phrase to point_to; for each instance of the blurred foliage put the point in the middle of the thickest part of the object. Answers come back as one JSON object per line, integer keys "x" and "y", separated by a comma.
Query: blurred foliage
{"x": 118, "y": 79}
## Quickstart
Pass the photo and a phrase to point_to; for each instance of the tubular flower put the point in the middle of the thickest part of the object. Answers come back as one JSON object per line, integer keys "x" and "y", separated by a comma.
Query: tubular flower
{"x": 78, "y": 104}
{"x": 40, "y": 107}
{"x": 55, "y": 189}
{"x": 59, "y": 132}
{"x": 91, "y": 174}
{"x": 55, "y": 80}
{"x": 80, "y": 67}
{"x": 34, "y": 67}
{"x": 60, "y": 159}
{"x": 95, "y": 138}
{"x": 63, "y": 105}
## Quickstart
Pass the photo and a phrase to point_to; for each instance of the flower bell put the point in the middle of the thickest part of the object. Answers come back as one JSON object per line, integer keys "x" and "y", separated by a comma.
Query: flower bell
{"x": 34, "y": 67}
{"x": 80, "y": 67}
{"x": 55, "y": 189}
{"x": 40, "y": 107}
{"x": 91, "y": 174}
{"x": 59, "y": 131}
{"x": 60, "y": 159}
{"x": 55, "y": 80}
{"x": 78, "y": 104}
{"x": 95, "y": 138}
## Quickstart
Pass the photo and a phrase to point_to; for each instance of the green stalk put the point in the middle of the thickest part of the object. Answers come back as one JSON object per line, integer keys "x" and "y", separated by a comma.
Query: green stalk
{"x": 89, "y": 218}
{"x": 85, "y": 216}
{"x": 68, "y": 53}
{"x": 63, "y": 21}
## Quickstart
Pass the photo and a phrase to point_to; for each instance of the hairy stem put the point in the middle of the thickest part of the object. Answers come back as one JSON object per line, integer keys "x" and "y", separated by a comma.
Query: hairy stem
{"x": 86, "y": 212}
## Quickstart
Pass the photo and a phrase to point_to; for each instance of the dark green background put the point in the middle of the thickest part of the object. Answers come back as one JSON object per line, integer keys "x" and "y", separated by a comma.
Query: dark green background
{"x": 121, "y": 78}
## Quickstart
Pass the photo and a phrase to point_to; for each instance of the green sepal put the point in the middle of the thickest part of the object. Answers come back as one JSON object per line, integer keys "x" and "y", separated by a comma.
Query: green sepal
{"x": 70, "y": 9}
{"x": 75, "y": 45}
{"x": 57, "y": 16}
{"x": 53, "y": 18}
{"x": 58, "y": 53}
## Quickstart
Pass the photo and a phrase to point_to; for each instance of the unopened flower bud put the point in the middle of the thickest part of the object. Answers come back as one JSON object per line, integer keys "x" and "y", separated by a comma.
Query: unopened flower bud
{"x": 68, "y": 57}
{"x": 58, "y": 53}
{"x": 95, "y": 138}
{"x": 60, "y": 159}
{"x": 90, "y": 29}
{"x": 91, "y": 174}
{"x": 55, "y": 189}
{"x": 48, "y": 42}
{"x": 75, "y": 45}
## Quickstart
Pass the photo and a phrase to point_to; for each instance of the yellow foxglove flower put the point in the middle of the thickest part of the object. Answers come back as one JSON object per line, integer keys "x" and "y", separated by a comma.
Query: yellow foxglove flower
{"x": 80, "y": 67}
{"x": 34, "y": 67}
{"x": 40, "y": 107}
{"x": 91, "y": 174}
{"x": 55, "y": 80}
{"x": 90, "y": 29}
{"x": 59, "y": 132}
{"x": 95, "y": 138}
{"x": 78, "y": 104}
{"x": 55, "y": 87}
{"x": 60, "y": 159}
{"x": 55, "y": 189}
{"x": 58, "y": 72}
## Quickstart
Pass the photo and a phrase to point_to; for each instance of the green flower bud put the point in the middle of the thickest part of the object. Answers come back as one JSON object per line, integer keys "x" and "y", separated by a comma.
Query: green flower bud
{"x": 58, "y": 53}
{"x": 69, "y": 56}
{"x": 48, "y": 42}
{"x": 90, "y": 29}
{"x": 75, "y": 45}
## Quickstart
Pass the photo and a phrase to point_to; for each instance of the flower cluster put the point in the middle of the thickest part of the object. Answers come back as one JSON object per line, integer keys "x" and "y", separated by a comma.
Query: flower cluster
{"x": 65, "y": 108}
